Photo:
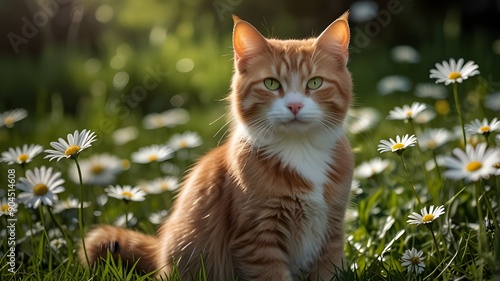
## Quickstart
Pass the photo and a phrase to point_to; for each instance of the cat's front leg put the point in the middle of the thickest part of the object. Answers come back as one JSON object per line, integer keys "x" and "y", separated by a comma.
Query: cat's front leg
{"x": 264, "y": 268}
{"x": 259, "y": 257}
{"x": 332, "y": 261}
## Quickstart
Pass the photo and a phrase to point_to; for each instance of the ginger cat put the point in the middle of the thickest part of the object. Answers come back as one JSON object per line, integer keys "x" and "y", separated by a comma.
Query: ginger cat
{"x": 269, "y": 203}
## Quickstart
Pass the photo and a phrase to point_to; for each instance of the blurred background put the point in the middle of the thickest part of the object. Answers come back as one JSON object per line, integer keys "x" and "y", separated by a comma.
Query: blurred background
{"x": 106, "y": 64}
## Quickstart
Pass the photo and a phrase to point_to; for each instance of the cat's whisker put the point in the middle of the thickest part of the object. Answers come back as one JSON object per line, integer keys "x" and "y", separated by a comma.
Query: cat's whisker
{"x": 225, "y": 131}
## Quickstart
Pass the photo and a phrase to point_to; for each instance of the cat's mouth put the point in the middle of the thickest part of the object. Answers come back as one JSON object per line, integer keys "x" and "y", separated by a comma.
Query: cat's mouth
{"x": 296, "y": 124}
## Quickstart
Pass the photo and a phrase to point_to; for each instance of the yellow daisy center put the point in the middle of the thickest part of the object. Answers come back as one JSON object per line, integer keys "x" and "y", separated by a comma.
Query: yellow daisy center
{"x": 397, "y": 146}
{"x": 97, "y": 169}
{"x": 158, "y": 121}
{"x": 473, "y": 166}
{"x": 442, "y": 107}
{"x": 409, "y": 113}
{"x": 4, "y": 208}
{"x": 127, "y": 194}
{"x": 415, "y": 260}
{"x": 431, "y": 144}
{"x": 8, "y": 121}
{"x": 183, "y": 144}
{"x": 125, "y": 164}
{"x": 40, "y": 189}
{"x": 455, "y": 75}
{"x": 164, "y": 186}
{"x": 23, "y": 157}
{"x": 153, "y": 158}
{"x": 428, "y": 218}
{"x": 72, "y": 150}
{"x": 485, "y": 129}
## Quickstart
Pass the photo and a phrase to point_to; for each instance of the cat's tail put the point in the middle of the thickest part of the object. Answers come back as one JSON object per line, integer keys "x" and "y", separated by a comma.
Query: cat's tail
{"x": 130, "y": 246}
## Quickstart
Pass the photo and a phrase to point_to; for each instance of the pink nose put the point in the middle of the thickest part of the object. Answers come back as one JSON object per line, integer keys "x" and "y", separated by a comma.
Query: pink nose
{"x": 295, "y": 107}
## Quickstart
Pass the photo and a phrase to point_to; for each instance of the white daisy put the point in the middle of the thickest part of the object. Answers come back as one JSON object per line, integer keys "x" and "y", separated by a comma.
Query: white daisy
{"x": 185, "y": 140}
{"x": 355, "y": 187}
{"x": 9, "y": 118}
{"x": 77, "y": 142}
{"x": 158, "y": 217}
{"x": 362, "y": 119}
{"x": 483, "y": 127}
{"x": 125, "y": 192}
{"x": 425, "y": 116}
{"x": 434, "y": 138}
{"x": 406, "y": 112}
{"x": 98, "y": 169}
{"x": 429, "y": 90}
{"x": 67, "y": 204}
{"x": 21, "y": 155}
{"x": 405, "y": 54}
{"x": 413, "y": 261}
{"x": 425, "y": 217}
{"x": 169, "y": 119}
{"x": 397, "y": 146}
{"x": 372, "y": 167}
{"x": 160, "y": 185}
{"x": 394, "y": 83}
{"x": 33, "y": 230}
{"x": 57, "y": 243}
{"x": 492, "y": 101}
{"x": 362, "y": 11}
{"x": 125, "y": 135}
{"x": 454, "y": 71}
{"x": 431, "y": 164}
{"x": 121, "y": 221}
{"x": 152, "y": 153}
{"x": 473, "y": 164}
{"x": 8, "y": 207}
{"x": 40, "y": 186}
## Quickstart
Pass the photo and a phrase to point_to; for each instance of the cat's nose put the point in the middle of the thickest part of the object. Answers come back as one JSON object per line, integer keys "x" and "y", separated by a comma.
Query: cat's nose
{"x": 295, "y": 107}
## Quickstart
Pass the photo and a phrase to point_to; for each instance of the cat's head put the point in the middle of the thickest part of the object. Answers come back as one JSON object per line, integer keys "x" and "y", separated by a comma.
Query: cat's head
{"x": 291, "y": 86}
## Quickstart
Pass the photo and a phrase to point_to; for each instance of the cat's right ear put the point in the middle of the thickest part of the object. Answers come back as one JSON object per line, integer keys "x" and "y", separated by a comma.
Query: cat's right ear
{"x": 247, "y": 42}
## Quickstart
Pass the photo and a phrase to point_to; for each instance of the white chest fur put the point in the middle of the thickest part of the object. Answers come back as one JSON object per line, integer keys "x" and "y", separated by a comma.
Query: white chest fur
{"x": 310, "y": 156}
{"x": 311, "y": 238}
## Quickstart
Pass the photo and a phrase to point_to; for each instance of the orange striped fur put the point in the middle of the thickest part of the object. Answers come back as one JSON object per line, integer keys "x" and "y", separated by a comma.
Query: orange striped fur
{"x": 268, "y": 204}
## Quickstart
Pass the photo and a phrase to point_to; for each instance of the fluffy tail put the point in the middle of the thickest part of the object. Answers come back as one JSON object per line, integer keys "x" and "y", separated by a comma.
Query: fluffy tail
{"x": 132, "y": 247}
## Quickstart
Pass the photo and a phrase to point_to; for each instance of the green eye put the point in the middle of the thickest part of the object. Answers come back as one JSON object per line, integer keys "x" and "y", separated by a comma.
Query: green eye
{"x": 314, "y": 83}
{"x": 272, "y": 84}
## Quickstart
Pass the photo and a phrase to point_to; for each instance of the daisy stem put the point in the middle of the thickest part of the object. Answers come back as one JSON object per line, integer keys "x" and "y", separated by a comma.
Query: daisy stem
{"x": 436, "y": 163}
{"x": 45, "y": 235}
{"x": 482, "y": 230}
{"x": 23, "y": 166}
{"x": 459, "y": 112}
{"x": 409, "y": 179}
{"x": 126, "y": 212}
{"x": 58, "y": 225}
{"x": 491, "y": 211}
{"x": 421, "y": 157}
{"x": 80, "y": 214}
{"x": 435, "y": 242}
{"x": 486, "y": 137}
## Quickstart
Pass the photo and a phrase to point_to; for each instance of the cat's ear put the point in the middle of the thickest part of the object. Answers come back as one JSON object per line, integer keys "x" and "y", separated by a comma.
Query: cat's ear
{"x": 247, "y": 42}
{"x": 336, "y": 36}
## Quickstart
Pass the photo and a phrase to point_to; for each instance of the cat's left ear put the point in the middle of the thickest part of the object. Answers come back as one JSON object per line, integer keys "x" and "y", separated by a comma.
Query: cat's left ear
{"x": 247, "y": 42}
{"x": 336, "y": 36}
